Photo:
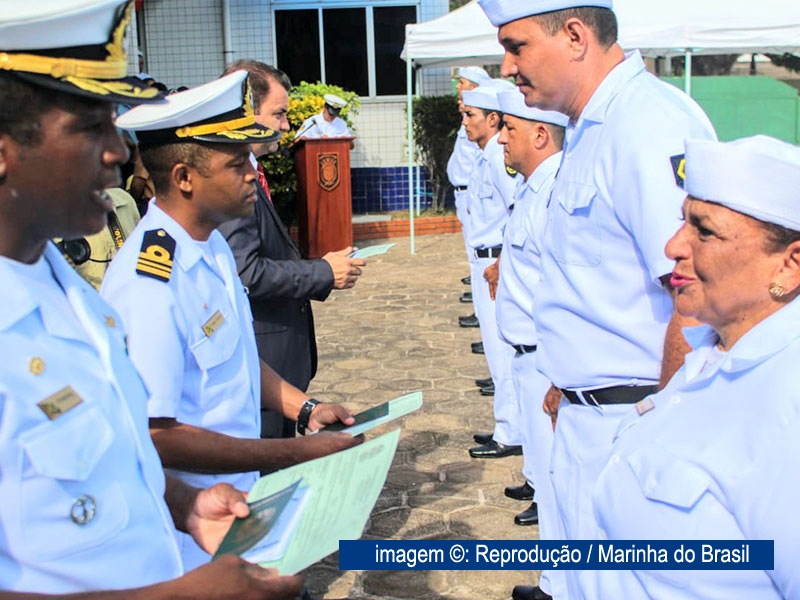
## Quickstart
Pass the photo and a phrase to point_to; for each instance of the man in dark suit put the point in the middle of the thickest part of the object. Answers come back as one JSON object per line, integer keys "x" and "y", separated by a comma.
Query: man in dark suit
{"x": 280, "y": 283}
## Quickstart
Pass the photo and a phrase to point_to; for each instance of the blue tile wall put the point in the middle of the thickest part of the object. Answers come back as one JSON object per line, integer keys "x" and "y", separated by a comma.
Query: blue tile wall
{"x": 381, "y": 189}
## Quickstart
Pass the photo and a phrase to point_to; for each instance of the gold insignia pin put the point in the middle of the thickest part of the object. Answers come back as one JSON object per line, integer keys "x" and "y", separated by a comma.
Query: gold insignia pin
{"x": 36, "y": 365}
{"x": 214, "y": 323}
{"x": 59, "y": 403}
{"x": 110, "y": 322}
{"x": 161, "y": 233}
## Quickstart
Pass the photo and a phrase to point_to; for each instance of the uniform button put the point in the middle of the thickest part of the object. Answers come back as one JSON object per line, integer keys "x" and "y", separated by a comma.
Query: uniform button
{"x": 83, "y": 510}
{"x": 676, "y": 399}
{"x": 36, "y": 365}
{"x": 303, "y": 309}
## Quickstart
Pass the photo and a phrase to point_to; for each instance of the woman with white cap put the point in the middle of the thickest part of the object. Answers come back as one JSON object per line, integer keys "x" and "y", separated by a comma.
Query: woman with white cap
{"x": 713, "y": 456}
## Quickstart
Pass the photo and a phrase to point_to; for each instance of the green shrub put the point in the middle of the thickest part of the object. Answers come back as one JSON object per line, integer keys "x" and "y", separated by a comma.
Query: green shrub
{"x": 305, "y": 100}
{"x": 436, "y": 123}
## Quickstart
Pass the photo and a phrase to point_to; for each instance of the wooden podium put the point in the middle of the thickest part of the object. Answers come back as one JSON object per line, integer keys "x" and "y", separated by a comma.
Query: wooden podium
{"x": 324, "y": 204}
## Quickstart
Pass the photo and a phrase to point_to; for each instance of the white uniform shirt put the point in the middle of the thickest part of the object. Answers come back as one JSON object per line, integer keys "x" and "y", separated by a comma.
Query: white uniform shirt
{"x": 462, "y": 160}
{"x": 602, "y": 315}
{"x": 55, "y": 332}
{"x": 317, "y": 127}
{"x": 209, "y": 381}
{"x": 715, "y": 459}
{"x": 490, "y": 195}
{"x": 520, "y": 263}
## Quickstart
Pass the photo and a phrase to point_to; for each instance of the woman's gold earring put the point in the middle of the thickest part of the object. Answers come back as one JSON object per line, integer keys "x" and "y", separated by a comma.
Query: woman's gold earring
{"x": 776, "y": 290}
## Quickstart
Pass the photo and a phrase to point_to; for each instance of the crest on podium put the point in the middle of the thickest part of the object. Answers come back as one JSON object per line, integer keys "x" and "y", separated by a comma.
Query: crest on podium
{"x": 328, "y": 164}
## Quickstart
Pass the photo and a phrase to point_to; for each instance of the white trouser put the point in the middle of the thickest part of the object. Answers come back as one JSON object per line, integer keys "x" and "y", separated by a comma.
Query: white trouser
{"x": 498, "y": 357}
{"x": 537, "y": 445}
{"x": 582, "y": 444}
{"x": 461, "y": 213}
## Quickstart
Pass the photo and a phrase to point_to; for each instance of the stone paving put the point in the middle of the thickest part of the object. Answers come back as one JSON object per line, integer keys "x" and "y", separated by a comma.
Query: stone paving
{"x": 396, "y": 332}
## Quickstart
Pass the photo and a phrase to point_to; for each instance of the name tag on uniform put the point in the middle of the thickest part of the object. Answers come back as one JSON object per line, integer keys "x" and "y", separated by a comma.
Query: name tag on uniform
{"x": 214, "y": 323}
{"x": 59, "y": 403}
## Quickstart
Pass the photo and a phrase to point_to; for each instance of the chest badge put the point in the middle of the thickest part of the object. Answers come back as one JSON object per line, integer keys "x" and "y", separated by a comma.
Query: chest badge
{"x": 156, "y": 254}
{"x": 110, "y": 322}
{"x": 59, "y": 403}
{"x": 215, "y": 322}
{"x": 83, "y": 510}
{"x": 644, "y": 406}
{"x": 36, "y": 365}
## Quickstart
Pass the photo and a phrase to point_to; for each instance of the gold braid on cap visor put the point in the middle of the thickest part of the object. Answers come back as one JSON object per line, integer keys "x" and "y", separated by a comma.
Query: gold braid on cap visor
{"x": 229, "y": 128}
{"x": 85, "y": 74}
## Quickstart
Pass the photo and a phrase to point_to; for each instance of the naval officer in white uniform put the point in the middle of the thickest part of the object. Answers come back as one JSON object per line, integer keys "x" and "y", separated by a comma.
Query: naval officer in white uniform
{"x": 86, "y": 506}
{"x": 175, "y": 284}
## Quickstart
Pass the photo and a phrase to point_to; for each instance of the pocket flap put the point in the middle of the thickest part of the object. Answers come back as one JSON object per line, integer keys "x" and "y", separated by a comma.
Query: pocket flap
{"x": 574, "y": 195}
{"x": 485, "y": 190}
{"x": 517, "y": 235}
{"x": 216, "y": 349}
{"x": 664, "y": 477}
{"x": 71, "y": 446}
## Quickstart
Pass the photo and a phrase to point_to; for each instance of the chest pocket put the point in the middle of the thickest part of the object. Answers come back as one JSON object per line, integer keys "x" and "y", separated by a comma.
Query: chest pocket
{"x": 211, "y": 351}
{"x": 61, "y": 481}
{"x": 575, "y": 236}
{"x": 517, "y": 236}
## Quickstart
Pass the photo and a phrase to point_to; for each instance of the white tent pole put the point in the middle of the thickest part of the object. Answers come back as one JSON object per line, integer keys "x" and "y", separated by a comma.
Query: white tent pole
{"x": 409, "y": 108}
{"x": 687, "y": 73}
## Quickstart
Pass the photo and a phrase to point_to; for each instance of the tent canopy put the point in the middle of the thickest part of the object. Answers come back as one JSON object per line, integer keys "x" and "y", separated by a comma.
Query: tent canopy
{"x": 465, "y": 36}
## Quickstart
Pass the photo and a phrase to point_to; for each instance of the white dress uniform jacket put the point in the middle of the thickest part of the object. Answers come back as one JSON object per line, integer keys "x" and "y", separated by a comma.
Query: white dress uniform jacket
{"x": 614, "y": 205}
{"x": 520, "y": 273}
{"x": 317, "y": 127}
{"x": 491, "y": 193}
{"x": 601, "y": 313}
{"x": 459, "y": 169}
{"x": 191, "y": 338}
{"x": 82, "y": 486}
{"x": 713, "y": 456}
{"x": 490, "y": 197}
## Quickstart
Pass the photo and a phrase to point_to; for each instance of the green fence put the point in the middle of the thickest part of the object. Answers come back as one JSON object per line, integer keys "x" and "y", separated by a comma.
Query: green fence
{"x": 744, "y": 106}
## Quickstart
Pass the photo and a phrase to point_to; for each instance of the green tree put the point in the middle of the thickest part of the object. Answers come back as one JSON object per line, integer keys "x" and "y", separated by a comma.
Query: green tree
{"x": 786, "y": 60}
{"x": 435, "y": 122}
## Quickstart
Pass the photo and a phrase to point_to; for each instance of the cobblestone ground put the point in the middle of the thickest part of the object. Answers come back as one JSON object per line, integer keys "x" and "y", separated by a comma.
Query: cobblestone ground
{"x": 396, "y": 332}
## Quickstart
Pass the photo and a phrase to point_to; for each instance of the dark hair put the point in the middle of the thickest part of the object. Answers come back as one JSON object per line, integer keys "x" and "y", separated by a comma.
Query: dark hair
{"x": 22, "y": 105}
{"x": 557, "y": 135}
{"x": 486, "y": 112}
{"x": 260, "y": 75}
{"x": 602, "y": 22}
{"x": 159, "y": 160}
{"x": 778, "y": 237}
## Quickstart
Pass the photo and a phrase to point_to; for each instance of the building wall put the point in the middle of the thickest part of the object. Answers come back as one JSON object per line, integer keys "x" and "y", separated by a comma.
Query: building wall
{"x": 184, "y": 45}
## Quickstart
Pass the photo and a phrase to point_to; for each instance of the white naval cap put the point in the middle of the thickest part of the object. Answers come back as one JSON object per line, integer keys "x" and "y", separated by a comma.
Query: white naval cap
{"x": 758, "y": 176}
{"x": 485, "y": 95}
{"x": 512, "y": 102}
{"x": 501, "y": 12}
{"x": 473, "y": 74}
{"x": 74, "y": 46}
{"x": 335, "y": 100}
{"x": 218, "y": 111}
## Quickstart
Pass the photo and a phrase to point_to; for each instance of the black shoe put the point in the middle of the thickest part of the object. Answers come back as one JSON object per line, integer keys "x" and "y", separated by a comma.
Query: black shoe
{"x": 466, "y": 298}
{"x": 470, "y": 321}
{"x": 529, "y": 592}
{"x": 484, "y": 382}
{"x": 477, "y": 348}
{"x": 528, "y": 517}
{"x": 482, "y": 438}
{"x": 487, "y": 391}
{"x": 466, "y": 280}
{"x": 495, "y": 450}
{"x": 520, "y": 492}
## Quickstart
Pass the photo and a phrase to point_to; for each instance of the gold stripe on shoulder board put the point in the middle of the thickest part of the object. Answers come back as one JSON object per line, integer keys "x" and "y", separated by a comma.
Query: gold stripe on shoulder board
{"x": 156, "y": 254}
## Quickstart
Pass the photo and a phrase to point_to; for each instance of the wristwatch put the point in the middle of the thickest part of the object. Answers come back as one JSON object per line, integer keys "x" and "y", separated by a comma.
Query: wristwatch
{"x": 305, "y": 414}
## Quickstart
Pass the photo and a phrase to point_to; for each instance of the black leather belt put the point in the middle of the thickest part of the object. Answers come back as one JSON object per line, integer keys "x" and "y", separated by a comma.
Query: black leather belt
{"x": 618, "y": 394}
{"x": 525, "y": 349}
{"x": 460, "y": 188}
{"x": 488, "y": 252}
